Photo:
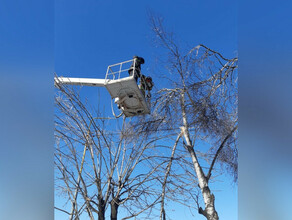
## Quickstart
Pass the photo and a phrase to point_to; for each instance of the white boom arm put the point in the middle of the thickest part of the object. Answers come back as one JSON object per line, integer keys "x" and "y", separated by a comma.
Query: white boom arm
{"x": 81, "y": 81}
{"x": 129, "y": 97}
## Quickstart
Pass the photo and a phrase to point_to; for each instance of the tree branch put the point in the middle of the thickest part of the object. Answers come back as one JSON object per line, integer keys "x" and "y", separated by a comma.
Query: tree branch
{"x": 218, "y": 151}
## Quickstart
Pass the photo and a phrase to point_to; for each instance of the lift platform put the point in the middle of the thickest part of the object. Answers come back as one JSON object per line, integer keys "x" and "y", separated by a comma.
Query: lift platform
{"x": 123, "y": 88}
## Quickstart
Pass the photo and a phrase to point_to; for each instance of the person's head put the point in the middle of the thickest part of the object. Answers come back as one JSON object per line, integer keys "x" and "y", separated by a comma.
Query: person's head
{"x": 148, "y": 79}
{"x": 140, "y": 60}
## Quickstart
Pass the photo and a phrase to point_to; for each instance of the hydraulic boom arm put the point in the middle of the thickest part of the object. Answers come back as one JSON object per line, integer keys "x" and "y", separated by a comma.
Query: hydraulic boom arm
{"x": 81, "y": 81}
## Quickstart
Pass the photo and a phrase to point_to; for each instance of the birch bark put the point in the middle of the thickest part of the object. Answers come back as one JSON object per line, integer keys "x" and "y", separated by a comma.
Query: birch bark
{"x": 209, "y": 212}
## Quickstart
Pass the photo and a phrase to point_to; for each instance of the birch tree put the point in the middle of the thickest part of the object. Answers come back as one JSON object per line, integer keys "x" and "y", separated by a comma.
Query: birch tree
{"x": 199, "y": 101}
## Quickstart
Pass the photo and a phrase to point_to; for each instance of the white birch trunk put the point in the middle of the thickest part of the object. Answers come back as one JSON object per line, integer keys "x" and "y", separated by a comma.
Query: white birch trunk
{"x": 209, "y": 212}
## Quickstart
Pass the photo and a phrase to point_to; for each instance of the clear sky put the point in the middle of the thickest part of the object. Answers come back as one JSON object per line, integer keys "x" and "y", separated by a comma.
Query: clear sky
{"x": 92, "y": 34}
{"x": 88, "y": 35}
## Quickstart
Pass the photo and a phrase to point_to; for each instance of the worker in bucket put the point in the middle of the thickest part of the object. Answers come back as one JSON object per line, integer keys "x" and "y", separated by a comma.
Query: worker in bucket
{"x": 135, "y": 68}
{"x": 146, "y": 83}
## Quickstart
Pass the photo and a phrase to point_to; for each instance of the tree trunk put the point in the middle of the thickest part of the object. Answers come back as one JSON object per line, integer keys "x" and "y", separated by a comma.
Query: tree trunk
{"x": 162, "y": 210}
{"x": 209, "y": 212}
{"x": 209, "y": 199}
{"x": 101, "y": 209}
{"x": 114, "y": 209}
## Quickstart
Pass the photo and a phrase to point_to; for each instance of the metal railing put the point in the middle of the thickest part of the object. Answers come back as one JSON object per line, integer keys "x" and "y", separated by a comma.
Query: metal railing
{"x": 119, "y": 70}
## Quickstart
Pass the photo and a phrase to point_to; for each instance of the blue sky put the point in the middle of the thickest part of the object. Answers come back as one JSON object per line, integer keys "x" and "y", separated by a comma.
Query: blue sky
{"x": 90, "y": 35}
{"x": 26, "y": 87}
